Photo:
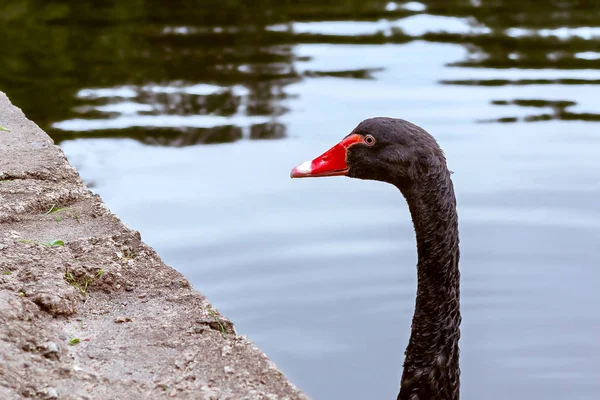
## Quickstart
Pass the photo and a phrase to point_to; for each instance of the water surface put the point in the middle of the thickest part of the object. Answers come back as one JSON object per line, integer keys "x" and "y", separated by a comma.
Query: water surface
{"x": 187, "y": 119}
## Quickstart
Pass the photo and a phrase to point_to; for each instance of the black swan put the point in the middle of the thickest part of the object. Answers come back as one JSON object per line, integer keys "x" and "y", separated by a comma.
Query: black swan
{"x": 398, "y": 152}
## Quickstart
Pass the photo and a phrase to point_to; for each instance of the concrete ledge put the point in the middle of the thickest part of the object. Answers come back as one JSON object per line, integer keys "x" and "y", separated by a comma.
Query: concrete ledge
{"x": 102, "y": 317}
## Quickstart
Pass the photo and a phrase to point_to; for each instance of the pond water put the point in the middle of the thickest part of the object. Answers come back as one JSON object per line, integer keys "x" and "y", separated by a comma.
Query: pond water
{"x": 187, "y": 118}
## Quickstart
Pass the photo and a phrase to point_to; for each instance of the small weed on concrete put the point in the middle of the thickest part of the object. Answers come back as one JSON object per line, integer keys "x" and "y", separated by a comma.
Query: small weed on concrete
{"x": 221, "y": 327}
{"x": 54, "y": 209}
{"x": 4, "y": 129}
{"x": 81, "y": 283}
{"x": 53, "y": 243}
{"x": 73, "y": 341}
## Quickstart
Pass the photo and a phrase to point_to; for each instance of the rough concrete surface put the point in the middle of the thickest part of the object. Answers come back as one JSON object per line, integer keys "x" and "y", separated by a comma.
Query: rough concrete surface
{"x": 101, "y": 317}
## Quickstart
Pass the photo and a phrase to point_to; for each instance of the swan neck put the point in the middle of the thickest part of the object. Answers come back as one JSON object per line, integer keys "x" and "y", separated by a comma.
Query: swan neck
{"x": 431, "y": 369}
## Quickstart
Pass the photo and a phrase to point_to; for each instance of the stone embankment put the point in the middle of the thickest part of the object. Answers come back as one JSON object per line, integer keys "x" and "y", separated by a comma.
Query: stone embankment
{"x": 88, "y": 311}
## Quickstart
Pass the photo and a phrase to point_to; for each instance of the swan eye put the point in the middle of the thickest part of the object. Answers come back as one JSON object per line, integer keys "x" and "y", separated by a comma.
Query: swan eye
{"x": 369, "y": 140}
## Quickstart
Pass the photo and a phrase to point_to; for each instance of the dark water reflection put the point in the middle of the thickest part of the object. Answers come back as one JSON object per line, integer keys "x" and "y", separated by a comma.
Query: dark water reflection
{"x": 320, "y": 274}
{"x": 53, "y": 50}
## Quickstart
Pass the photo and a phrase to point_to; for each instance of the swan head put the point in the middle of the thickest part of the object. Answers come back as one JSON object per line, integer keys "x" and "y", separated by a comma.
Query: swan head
{"x": 385, "y": 149}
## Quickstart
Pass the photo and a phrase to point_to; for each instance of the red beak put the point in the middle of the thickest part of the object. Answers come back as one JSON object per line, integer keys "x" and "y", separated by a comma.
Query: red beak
{"x": 331, "y": 163}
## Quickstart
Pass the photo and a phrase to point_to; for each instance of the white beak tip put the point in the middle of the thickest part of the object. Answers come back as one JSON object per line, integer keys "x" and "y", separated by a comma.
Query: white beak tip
{"x": 301, "y": 170}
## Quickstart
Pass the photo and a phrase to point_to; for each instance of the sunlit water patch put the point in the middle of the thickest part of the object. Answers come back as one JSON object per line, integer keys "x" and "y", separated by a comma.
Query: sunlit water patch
{"x": 415, "y": 26}
{"x": 586, "y": 32}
